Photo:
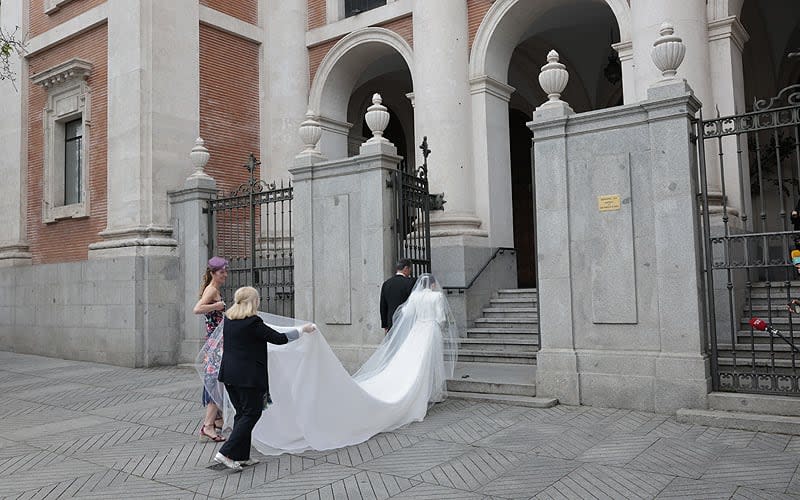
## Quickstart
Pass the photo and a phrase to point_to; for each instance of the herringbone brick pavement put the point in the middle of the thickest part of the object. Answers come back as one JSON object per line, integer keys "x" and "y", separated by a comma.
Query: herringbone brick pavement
{"x": 86, "y": 430}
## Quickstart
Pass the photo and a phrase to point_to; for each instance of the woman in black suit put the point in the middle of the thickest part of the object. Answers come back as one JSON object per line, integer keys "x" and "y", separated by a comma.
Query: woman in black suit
{"x": 244, "y": 371}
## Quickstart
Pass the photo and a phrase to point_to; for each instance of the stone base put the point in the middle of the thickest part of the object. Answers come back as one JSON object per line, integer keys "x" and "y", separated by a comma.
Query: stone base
{"x": 636, "y": 380}
{"x": 122, "y": 311}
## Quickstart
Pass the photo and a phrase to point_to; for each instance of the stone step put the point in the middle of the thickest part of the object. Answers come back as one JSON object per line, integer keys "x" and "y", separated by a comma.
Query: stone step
{"x": 522, "y": 322}
{"x": 518, "y": 291}
{"x": 757, "y": 422}
{"x": 779, "y": 320}
{"x": 755, "y": 403}
{"x": 502, "y": 333}
{"x": 532, "y": 402}
{"x": 516, "y": 312}
{"x": 496, "y": 356}
{"x": 494, "y": 378}
{"x": 513, "y": 302}
{"x": 505, "y": 345}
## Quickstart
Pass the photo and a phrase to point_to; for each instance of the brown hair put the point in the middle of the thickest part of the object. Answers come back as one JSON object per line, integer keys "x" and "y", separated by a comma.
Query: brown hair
{"x": 206, "y": 280}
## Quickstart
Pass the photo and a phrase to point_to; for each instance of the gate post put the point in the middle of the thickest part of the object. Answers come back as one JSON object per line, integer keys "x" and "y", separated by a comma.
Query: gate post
{"x": 190, "y": 224}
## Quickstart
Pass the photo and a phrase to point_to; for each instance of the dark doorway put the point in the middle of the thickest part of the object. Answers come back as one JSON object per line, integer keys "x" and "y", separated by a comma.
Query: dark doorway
{"x": 522, "y": 198}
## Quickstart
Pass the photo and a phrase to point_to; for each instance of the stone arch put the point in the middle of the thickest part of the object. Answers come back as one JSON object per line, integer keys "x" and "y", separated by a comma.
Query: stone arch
{"x": 339, "y": 69}
{"x": 505, "y": 23}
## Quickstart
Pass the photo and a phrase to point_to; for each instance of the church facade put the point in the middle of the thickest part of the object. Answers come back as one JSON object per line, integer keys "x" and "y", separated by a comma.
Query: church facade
{"x": 111, "y": 96}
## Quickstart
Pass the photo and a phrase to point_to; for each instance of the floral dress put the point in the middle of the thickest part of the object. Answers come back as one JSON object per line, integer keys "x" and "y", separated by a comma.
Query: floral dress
{"x": 212, "y": 355}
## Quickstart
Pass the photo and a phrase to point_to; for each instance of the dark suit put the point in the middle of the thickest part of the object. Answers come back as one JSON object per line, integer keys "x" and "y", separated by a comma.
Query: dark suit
{"x": 243, "y": 370}
{"x": 394, "y": 292}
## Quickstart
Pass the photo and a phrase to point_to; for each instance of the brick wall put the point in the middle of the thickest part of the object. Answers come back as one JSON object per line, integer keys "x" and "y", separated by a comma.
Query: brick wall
{"x": 317, "y": 14}
{"x": 67, "y": 240}
{"x": 229, "y": 102}
{"x": 41, "y": 22}
{"x": 402, "y": 26}
{"x": 476, "y": 11}
{"x": 245, "y": 10}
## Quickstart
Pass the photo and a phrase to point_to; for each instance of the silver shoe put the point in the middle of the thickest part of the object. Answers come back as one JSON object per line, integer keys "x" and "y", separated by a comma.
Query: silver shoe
{"x": 227, "y": 462}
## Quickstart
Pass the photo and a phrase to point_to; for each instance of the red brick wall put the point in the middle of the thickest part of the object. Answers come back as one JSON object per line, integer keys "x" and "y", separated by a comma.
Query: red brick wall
{"x": 476, "y": 11}
{"x": 245, "y": 10}
{"x": 402, "y": 26}
{"x": 41, "y": 22}
{"x": 229, "y": 101}
{"x": 317, "y": 14}
{"x": 67, "y": 240}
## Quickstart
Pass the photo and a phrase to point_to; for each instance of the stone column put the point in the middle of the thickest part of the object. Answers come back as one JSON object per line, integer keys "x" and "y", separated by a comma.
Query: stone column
{"x": 191, "y": 223}
{"x": 492, "y": 158}
{"x": 442, "y": 111}
{"x": 625, "y": 52}
{"x": 726, "y": 39}
{"x": 153, "y": 109}
{"x": 13, "y": 138}
{"x": 285, "y": 80}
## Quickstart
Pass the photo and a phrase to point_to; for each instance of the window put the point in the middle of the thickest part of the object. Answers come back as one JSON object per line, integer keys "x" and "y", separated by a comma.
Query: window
{"x": 66, "y": 123}
{"x": 73, "y": 138}
{"x": 353, "y": 7}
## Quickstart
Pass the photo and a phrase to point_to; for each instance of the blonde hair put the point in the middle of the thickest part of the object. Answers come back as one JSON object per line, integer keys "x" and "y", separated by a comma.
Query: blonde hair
{"x": 245, "y": 303}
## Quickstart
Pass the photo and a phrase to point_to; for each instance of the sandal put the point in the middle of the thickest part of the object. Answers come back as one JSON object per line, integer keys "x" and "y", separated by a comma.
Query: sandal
{"x": 219, "y": 423}
{"x": 205, "y": 438}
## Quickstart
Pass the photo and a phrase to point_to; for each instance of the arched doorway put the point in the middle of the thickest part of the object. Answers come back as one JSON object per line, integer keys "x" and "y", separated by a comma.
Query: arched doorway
{"x": 367, "y": 61}
{"x": 510, "y": 47}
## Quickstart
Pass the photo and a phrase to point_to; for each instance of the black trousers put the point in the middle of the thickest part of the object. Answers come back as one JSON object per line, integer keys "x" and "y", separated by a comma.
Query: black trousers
{"x": 249, "y": 403}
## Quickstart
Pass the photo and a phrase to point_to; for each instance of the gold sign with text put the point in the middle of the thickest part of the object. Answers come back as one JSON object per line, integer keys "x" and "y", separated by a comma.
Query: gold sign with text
{"x": 608, "y": 202}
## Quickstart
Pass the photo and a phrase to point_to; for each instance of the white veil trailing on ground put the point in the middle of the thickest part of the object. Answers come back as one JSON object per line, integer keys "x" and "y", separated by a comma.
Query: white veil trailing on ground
{"x": 426, "y": 303}
{"x": 318, "y": 405}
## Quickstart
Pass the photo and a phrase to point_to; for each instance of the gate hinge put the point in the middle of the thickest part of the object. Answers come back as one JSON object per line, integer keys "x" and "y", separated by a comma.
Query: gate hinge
{"x": 205, "y": 210}
{"x": 693, "y": 137}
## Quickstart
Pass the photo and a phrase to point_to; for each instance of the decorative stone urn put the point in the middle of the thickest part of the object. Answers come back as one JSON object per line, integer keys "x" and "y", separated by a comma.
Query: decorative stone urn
{"x": 553, "y": 77}
{"x": 199, "y": 156}
{"x": 377, "y": 118}
{"x": 310, "y": 132}
{"x": 668, "y": 51}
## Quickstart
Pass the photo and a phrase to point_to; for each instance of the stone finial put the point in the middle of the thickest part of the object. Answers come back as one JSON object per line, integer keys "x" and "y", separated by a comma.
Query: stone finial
{"x": 377, "y": 118}
{"x": 199, "y": 157}
{"x": 553, "y": 77}
{"x": 310, "y": 132}
{"x": 668, "y": 51}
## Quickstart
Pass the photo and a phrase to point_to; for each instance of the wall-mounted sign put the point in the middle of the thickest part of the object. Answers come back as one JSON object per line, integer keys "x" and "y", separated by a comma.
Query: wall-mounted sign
{"x": 608, "y": 202}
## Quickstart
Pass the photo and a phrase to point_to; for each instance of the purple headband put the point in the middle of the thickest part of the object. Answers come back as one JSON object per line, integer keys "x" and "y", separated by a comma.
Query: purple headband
{"x": 217, "y": 263}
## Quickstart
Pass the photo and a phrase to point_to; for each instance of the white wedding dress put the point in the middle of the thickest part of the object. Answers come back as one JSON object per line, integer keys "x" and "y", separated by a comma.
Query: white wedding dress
{"x": 317, "y": 405}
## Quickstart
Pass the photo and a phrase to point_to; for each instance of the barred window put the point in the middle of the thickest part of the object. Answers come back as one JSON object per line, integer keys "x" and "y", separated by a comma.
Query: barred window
{"x": 73, "y": 141}
{"x": 353, "y": 7}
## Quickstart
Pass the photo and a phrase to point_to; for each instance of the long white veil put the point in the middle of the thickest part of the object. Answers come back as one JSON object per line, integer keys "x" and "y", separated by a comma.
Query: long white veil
{"x": 425, "y": 291}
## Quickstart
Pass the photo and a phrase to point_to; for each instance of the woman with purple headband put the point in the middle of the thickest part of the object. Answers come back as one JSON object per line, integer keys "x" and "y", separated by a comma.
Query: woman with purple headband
{"x": 212, "y": 306}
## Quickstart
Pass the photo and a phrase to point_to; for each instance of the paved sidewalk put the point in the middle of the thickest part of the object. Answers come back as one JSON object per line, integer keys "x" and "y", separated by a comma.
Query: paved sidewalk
{"x": 86, "y": 430}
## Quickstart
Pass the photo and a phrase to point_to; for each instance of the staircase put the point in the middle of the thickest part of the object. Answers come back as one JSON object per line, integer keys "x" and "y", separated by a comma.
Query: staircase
{"x": 767, "y": 300}
{"x": 497, "y": 359}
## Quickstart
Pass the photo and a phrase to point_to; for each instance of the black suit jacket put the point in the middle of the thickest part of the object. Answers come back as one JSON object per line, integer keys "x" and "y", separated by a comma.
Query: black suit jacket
{"x": 394, "y": 292}
{"x": 244, "y": 357}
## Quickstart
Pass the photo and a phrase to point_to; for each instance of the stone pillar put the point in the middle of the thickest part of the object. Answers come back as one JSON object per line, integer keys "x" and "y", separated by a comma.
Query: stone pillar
{"x": 625, "y": 53}
{"x": 557, "y": 371}
{"x": 343, "y": 249}
{"x": 285, "y": 67}
{"x": 13, "y": 139}
{"x": 442, "y": 111}
{"x": 726, "y": 39}
{"x": 150, "y": 112}
{"x": 682, "y": 370}
{"x": 492, "y": 158}
{"x": 191, "y": 223}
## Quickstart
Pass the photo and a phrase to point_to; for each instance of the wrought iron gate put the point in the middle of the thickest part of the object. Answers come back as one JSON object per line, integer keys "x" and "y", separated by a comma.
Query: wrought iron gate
{"x": 252, "y": 228}
{"x": 748, "y": 259}
{"x": 412, "y": 214}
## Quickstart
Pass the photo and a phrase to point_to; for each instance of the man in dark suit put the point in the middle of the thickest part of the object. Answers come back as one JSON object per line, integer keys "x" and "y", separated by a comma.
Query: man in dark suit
{"x": 395, "y": 291}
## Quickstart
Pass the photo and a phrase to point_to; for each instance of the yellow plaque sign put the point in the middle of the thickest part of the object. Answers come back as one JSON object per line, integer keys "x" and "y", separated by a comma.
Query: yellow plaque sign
{"x": 608, "y": 202}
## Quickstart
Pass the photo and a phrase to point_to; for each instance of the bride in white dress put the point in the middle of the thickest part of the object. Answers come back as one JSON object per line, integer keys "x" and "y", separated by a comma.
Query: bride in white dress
{"x": 319, "y": 406}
